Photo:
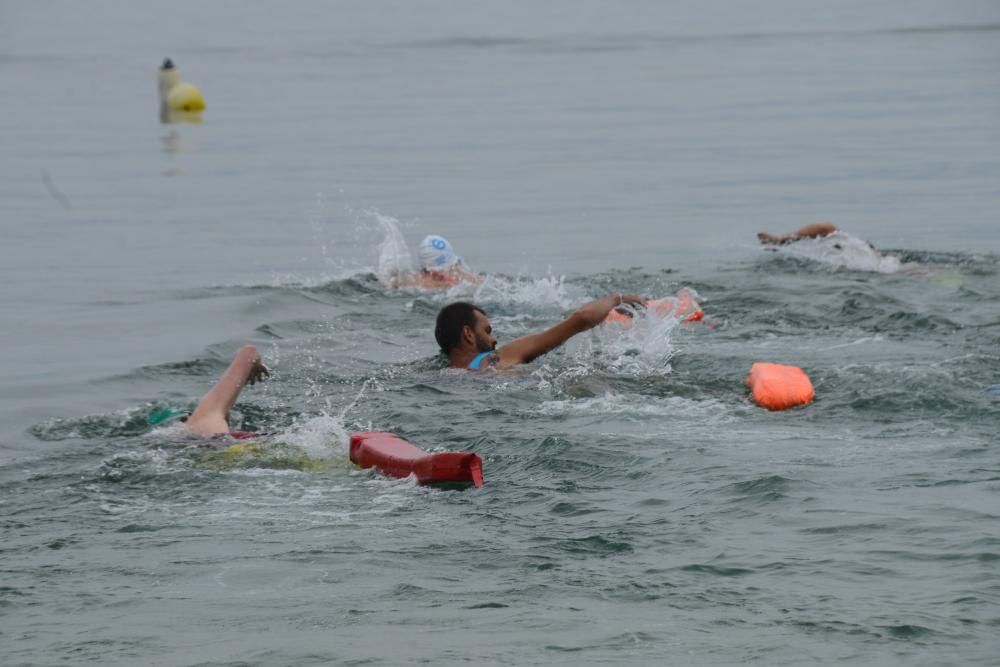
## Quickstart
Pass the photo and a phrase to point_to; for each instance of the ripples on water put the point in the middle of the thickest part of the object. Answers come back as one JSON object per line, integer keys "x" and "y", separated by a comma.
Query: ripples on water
{"x": 634, "y": 498}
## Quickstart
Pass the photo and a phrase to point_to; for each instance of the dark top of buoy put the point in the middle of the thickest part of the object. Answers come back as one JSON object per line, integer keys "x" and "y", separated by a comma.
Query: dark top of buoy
{"x": 167, "y": 64}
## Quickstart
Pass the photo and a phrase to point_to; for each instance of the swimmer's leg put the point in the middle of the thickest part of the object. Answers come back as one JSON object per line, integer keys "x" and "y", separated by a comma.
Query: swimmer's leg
{"x": 212, "y": 414}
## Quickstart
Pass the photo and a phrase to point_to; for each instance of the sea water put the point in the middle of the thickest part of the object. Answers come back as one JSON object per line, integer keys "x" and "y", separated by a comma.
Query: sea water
{"x": 637, "y": 508}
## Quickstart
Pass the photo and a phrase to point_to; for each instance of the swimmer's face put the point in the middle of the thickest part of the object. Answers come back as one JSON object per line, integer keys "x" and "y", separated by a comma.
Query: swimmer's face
{"x": 483, "y": 332}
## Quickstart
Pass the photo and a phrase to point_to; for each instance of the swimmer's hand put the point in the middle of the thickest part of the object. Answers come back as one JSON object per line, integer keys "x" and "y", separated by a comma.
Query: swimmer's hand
{"x": 527, "y": 348}
{"x": 593, "y": 313}
{"x": 258, "y": 372}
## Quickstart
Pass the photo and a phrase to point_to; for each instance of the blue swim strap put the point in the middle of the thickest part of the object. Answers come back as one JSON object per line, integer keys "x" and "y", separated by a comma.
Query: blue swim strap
{"x": 478, "y": 359}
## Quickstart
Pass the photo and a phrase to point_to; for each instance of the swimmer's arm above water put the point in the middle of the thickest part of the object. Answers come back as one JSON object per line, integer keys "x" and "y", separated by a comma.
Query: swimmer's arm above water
{"x": 812, "y": 231}
{"x": 467, "y": 276}
{"x": 527, "y": 348}
{"x": 434, "y": 280}
{"x": 212, "y": 414}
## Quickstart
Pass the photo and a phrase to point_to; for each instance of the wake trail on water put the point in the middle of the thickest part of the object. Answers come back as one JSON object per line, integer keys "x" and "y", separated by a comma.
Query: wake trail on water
{"x": 840, "y": 251}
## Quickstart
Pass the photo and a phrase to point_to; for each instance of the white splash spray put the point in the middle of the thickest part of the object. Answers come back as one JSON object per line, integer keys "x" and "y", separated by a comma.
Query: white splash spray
{"x": 842, "y": 250}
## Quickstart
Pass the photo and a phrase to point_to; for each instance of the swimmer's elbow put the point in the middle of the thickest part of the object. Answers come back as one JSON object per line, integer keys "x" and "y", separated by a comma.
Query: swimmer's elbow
{"x": 577, "y": 323}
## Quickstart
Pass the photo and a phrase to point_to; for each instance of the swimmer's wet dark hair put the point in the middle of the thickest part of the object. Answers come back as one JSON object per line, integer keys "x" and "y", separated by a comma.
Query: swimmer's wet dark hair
{"x": 450, "y": 322}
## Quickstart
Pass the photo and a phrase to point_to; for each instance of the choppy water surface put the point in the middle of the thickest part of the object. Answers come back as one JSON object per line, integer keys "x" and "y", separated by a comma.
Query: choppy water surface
{"x": 635, "y": 505}
{"x": 638, "y": 509}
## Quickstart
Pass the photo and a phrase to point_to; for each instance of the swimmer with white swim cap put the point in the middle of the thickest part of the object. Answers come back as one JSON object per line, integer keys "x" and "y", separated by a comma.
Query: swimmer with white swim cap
{"x": 440, "y": 267}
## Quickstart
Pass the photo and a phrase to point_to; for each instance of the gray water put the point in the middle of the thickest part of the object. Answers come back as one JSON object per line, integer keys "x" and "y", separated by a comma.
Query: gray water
{"x": 638, "y": 509}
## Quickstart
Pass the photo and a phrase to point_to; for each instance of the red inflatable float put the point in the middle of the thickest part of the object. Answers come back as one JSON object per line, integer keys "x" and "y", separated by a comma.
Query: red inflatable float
{"x": 395, "y": 457}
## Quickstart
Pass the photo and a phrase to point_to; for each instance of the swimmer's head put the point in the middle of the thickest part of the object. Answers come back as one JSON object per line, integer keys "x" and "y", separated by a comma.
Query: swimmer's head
{"x": 436, "y": 254}
{"x": 464, "y": 323}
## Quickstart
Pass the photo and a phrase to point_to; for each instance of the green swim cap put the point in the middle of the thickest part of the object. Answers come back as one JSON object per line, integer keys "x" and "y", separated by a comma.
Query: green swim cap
{"x": 165, "y": 415}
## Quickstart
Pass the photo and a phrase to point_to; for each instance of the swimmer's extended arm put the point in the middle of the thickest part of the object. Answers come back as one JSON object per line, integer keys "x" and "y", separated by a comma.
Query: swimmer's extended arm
{"x": 467, "y": 276}
{"x": 812, "y": 231}
{"x": 527, "y": 348}
{"x": 816, "y": 230}
{"x": 211, "y": 415}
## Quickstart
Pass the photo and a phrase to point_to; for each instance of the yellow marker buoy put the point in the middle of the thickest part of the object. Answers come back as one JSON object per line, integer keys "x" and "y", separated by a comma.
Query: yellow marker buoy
{"x": 177, "y": 97}
{"x": 185, "y": 97}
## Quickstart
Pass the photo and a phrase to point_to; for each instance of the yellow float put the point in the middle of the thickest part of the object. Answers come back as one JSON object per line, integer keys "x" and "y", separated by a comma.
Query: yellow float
{"x": 179, "y": 101}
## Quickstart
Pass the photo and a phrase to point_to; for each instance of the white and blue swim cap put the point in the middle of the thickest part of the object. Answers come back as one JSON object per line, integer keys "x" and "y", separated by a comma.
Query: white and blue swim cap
{"x": 436, "y": 254}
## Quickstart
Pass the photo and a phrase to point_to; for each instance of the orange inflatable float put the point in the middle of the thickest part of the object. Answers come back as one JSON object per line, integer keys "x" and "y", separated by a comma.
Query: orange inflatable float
{"x": 682, "y": 307}
{"x": 779, "y": 387}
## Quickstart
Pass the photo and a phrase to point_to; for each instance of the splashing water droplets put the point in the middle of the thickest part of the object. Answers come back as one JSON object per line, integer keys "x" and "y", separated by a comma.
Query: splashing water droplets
{"x": 543, "y": 293}
{"x": 322, "y": 437}
{"x": 842, "y": 251}
{"x": 394, "y": 257}
{"x": 643, "y": 348}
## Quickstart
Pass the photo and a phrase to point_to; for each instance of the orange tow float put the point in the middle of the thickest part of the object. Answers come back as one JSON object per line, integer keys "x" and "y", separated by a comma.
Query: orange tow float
{"x": 779, "y": 387}
{"x": 681, "y": 307}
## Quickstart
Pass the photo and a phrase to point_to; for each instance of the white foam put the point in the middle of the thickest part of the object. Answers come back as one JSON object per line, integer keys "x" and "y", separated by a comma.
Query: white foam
{"x": 877, "y": 338}
{"x": 173, "y": 431}
{"x": 297, "y": 281}
{"x": 644, "y": 347}
{"x": 840, "y": 250}
{"x": 394, "y": 257}
{"x": 618, "y": 405}
{"x": 322, "y": 437}
{"x": 392, "y": 260}
{"x": 547, "y": 292}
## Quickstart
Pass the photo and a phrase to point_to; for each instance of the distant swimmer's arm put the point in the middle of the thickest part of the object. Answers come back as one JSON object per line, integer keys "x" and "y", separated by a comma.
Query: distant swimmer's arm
{"x": 813, "y": 231}
{"x": 527, "y": 348}
{"x": 816, "y": 230}
{"x": 211, "y": 415}
{"x": 468, "y": 276}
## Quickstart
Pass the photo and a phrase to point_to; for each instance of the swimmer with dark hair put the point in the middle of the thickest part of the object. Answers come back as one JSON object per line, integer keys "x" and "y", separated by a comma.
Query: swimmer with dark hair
{"x": 211, "y": 417}
{"x": 813, "y": 231}
{"x": 465, "y": 334}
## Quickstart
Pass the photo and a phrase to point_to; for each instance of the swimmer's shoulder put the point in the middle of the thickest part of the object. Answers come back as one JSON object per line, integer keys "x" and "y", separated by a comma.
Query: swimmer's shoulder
{"x": 484, "y": 361}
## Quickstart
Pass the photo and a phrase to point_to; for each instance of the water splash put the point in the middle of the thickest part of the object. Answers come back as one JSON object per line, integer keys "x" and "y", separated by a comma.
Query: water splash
{"x": 120, "y": 424}
{"x": 394, "y": 257}
{"x": 544, "y": 293}
{"x": 641, "y": 349}
{"x": 323, "y": 437}
{"x": 841, "y": 251}
{"x": 370, "y": 228}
